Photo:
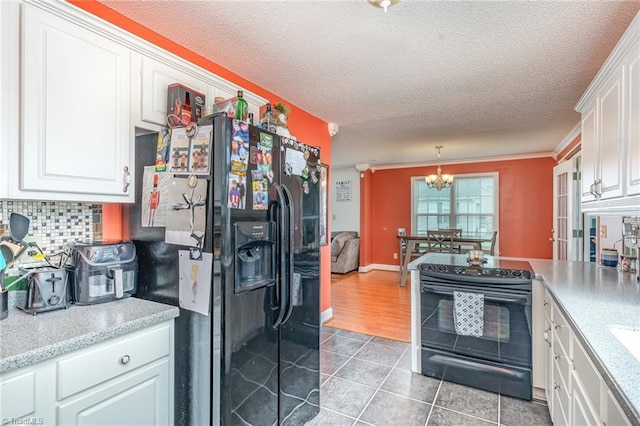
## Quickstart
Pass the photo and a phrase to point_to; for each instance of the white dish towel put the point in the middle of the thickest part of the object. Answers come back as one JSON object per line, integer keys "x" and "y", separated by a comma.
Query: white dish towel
{"x": 468, "y": 313}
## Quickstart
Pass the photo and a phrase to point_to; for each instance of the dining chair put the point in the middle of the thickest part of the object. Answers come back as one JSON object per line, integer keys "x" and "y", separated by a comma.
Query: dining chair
{"x": 456, "y": 233}
{"x": 417, "y": 252}
{"x": 492, "y": 248}
{"x": 440, "y": 240}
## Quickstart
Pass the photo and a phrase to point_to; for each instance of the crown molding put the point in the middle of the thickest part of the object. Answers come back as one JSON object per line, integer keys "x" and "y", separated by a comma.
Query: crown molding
{"x": 464, "y": 161}
{"x": 624, "y": 45}
{"x": 574, "y": 133}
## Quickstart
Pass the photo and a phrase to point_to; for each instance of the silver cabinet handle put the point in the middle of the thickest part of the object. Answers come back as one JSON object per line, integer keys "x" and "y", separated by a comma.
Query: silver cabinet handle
{"x": 556, "y": 386}
{"x": 557, "y": 326}
{"x": 125, "y": 359}
{"x": 556, "y": 356}
{"x": 126, "y": 179}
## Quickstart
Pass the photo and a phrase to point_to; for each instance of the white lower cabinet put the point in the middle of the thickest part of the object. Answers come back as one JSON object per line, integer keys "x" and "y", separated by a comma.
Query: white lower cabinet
{"x": 576, "y": 392}
{"x": 125, "y": 380}
{"x": 139, "y": 398}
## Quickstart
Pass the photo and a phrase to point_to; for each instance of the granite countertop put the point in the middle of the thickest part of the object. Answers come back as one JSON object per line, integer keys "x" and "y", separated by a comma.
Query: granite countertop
{"x": 27, "y": 339}
{"x": 603, "y": 306}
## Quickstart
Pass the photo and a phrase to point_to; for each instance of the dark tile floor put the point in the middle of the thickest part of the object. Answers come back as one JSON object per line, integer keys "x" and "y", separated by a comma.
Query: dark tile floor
{"x": 367, "y": 380}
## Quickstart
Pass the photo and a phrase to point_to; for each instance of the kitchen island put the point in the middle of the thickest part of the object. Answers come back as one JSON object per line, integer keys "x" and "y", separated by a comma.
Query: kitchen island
{"x": 601, "y": 305}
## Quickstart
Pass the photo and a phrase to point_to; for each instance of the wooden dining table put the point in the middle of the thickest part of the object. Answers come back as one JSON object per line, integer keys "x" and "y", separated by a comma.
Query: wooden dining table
{"x": 413, "y": 241}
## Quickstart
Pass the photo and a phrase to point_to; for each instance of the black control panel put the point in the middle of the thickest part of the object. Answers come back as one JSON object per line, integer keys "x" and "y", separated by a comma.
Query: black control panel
{"x": 476, "y": 271}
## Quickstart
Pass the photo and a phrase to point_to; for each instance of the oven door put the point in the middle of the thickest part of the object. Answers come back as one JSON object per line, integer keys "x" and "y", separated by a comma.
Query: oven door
{"x": 506, "y": 337}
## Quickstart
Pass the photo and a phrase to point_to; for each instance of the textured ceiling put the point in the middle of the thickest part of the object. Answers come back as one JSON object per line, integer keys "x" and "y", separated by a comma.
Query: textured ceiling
{"x": 482, "y": 78}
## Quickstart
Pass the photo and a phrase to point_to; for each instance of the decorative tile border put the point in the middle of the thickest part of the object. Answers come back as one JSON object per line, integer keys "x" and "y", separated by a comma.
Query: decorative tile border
{"x": 54, "y": 223}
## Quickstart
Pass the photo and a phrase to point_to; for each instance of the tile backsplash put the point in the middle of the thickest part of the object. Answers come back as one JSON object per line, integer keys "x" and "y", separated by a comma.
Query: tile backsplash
{"x": 54, "y": 224}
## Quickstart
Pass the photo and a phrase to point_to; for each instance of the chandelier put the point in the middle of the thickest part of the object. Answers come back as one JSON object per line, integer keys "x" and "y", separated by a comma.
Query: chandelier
{"x": 439, "y": 180}
{"x": 384, "y": 4}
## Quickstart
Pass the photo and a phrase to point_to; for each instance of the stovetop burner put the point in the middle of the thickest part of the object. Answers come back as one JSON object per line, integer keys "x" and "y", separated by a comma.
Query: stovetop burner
{"x": 493, "y": 267}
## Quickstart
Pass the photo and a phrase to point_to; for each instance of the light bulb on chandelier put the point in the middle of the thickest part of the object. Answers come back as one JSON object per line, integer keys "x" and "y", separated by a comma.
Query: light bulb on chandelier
{"x": 439, "y": 181}
{"x": 383, "y": 4}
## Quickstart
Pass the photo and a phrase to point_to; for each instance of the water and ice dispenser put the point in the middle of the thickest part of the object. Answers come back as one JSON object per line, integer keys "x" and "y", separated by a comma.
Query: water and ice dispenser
{"x": 255, "y": 255}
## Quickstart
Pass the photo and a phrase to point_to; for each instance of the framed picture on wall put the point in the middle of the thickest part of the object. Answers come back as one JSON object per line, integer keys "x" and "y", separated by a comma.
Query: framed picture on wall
{"x": 324, "y": 213}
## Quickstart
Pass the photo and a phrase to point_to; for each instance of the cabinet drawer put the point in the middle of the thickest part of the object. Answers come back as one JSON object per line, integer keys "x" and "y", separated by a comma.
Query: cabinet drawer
{"x": 587, "y": 374}
{"x": 547, "y": 303}
{"x": 17, "y": 395}
{"x": 137, "y": 399}
{"x": 560, "y": 359}
{"x": 111, "y": 359}
{"x": 561, "y": 329}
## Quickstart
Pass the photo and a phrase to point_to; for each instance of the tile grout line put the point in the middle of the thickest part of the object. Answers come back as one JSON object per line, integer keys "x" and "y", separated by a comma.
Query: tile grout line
{"x": 381, "y": 383}
{"x": 433, "y": 403}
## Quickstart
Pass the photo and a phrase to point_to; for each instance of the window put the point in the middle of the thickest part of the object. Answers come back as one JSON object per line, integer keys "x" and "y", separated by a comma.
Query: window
{"x": 471, "y": 204}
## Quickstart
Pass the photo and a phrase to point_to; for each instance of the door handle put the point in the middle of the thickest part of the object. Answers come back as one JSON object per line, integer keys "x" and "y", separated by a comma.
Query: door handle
{"x": 126, "y": 179}
{"x": 283, "y": 289}
{"x": 287, "y": 198}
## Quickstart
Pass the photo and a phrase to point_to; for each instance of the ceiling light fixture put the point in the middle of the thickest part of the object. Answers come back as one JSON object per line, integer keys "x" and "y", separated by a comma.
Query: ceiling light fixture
{"x": 439, "y": 180}
{"x": 384, "y": 4}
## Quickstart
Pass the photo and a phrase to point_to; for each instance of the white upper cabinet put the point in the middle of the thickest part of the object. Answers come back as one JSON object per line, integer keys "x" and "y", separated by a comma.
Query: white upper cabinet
{"x": 154, "y": 70}
{"x": 76, "y": 135}
{"x": 633, "y": 135}
{"x": 589, "y": 152}
{"x": 155, "y": 77}
{"x": 74, "y": 92}
{"x": 610, "y": 111}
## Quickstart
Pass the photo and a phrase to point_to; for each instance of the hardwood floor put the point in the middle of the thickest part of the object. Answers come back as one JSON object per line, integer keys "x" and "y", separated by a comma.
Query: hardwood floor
{"x": 371, "y": 303}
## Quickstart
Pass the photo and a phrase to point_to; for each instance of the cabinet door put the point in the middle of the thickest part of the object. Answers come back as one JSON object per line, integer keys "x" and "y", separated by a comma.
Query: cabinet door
{"x": 75, "y": 109}
{"x": 548, "y": 364}
{"x": 589, "y": 151}
{"x": 633, "y": 135}
{"x": 583, "y": 413}
{"x": 611, "y": 138}
{"x": 139, "y": 398}
{"x": 156, "y": 78}
{"x": 613, "y": 415}
{"x": 18, "y": 394}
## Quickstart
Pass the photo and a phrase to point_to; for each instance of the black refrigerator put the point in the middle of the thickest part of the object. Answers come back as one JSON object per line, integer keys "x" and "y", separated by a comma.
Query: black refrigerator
{"x": 254, "y": 359}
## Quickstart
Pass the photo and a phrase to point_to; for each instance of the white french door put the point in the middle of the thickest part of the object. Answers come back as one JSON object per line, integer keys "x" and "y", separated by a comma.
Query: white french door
{"x": 567, "y": 231}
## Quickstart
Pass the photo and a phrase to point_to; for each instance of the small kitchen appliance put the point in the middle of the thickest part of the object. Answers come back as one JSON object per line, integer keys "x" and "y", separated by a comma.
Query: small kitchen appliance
{"x": 47, "y": 289}
{"x": 103, "y": 271}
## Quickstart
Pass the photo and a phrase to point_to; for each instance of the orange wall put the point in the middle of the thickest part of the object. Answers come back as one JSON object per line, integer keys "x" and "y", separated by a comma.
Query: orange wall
{"x": 525, "y": 216}
{"x": 306, "y": 127}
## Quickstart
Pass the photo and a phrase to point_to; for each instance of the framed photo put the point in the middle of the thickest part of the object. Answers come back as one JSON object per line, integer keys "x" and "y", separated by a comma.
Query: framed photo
{"x": 324, "y": 213}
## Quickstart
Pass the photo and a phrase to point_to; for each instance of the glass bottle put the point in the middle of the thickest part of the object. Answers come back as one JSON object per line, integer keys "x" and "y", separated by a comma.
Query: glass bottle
{"x": 185, "y": 114}
{"x": 242, "y": 108}
{"x": 250, "y": 115}
{"x": 267, "y": 121}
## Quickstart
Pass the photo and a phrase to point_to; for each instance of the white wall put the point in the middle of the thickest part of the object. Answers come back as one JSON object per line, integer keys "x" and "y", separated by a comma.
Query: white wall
{"x": 345, "y": 214}
{"x": 614, "y": 234}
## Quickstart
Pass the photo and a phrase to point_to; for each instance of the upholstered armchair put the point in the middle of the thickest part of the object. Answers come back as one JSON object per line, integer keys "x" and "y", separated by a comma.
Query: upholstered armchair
{"x": 345, "y": 252}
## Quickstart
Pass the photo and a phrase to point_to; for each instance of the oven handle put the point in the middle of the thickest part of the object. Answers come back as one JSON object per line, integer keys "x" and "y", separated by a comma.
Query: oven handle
{"x": 470, "y": 365}
{"x": 494, "y": 296}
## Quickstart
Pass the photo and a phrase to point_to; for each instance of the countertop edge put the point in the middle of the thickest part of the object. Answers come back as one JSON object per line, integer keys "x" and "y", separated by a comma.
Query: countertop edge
{"x": 25, "y": 359}
{"x": 632, "y": 414}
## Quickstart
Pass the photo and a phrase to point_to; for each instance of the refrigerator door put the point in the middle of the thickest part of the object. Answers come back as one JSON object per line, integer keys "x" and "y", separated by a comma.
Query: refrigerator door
{"x": 299, "y": 366}
{"x": 247, "y": 301}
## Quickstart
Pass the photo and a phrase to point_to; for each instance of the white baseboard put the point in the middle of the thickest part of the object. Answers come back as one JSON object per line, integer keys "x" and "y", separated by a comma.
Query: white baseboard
{"x": 379, "y": 267}
{"x": 326, "y": 315}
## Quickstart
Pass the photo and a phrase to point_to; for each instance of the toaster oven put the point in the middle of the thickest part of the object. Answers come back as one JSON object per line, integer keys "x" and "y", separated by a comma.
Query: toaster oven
{"x": 103, "y": 271}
